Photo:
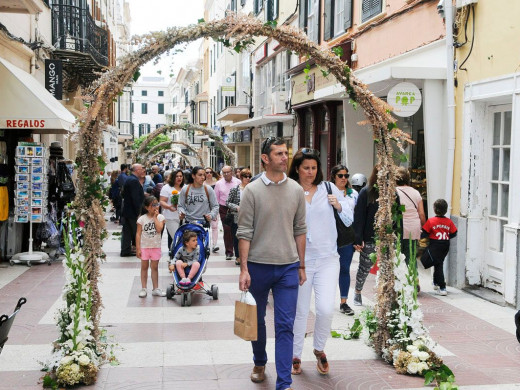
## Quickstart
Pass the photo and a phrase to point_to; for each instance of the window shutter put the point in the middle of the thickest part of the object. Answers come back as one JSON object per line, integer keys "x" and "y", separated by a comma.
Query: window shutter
{"x": 370, "y": 8}
{"x": 276, "y": 6}
{"x": 303, "y": 14}
{"x": 328, "y": 31}
{"x": 347, "y": 15}
{"x": 317, "y": 14}
{"x": 269, "y": 10}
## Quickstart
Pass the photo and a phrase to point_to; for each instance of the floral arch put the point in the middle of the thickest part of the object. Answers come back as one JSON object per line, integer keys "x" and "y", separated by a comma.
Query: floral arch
{"x": 235, "y": 31}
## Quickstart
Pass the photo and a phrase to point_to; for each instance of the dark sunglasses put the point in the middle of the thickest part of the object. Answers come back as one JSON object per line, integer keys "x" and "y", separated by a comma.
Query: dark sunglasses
{"x": 268, "y": 142}
{"x": 310, "y": 152}
{"x": 209, "y": 172}
{"x": 247, "y": 177}
{"x": 343, "y": 175}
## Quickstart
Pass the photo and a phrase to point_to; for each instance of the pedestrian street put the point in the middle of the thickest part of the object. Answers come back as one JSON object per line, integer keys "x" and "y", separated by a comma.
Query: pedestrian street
{"x": 158, "y": 344}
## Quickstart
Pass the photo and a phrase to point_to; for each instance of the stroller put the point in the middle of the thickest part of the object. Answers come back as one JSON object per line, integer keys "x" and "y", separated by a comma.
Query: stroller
{"x": 197, "y": 285}
{"x": 7, "y": 321}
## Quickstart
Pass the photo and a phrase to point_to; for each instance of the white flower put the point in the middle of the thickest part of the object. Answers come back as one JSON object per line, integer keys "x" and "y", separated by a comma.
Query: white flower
{"x": 83, "y": 360}
{"x": 422, "y": 366}
{"x": 411, "y": 348}
{"x": 412, "y": 368}
{"x": 423, "y": 355}
{"x": 66, "y": 360}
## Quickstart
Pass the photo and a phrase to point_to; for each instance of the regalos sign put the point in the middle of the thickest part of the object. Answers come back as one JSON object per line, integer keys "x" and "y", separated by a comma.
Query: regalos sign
{"x": 405, "y": 98}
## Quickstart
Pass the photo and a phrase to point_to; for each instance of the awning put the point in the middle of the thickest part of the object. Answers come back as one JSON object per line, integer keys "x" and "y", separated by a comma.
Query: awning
{"x": 262, "y": 120}
{"x": 26, "y": 104}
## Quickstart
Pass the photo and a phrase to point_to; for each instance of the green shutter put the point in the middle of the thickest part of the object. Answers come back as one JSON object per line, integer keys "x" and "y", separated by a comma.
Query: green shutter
{"x": 328, "y": 28}
{"x": 347, "y": 16}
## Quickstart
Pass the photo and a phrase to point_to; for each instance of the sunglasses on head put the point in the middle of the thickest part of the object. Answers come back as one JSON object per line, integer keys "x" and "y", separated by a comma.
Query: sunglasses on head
{"x": 267, "y": 144}
{"x": 343, "y": 175}
{"x": 310, "y": 152}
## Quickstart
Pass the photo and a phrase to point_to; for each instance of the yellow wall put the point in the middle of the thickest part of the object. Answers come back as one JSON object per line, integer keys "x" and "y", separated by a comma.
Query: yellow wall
{"x": 496, "y": 52}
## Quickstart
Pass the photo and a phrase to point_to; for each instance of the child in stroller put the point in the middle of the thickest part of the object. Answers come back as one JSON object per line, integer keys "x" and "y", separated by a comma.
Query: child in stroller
{"x": 185, "y": 286}
{"x": 187, "y": 256}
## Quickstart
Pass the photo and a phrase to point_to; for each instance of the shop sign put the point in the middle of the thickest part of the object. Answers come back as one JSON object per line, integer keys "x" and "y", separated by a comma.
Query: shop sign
{"x": 54, "y": 78}
{"x": 405, "y": 98}
{"x": 305, "y": 84}
{"x": 23, "y": 123}
{"x": 228, "y": 86}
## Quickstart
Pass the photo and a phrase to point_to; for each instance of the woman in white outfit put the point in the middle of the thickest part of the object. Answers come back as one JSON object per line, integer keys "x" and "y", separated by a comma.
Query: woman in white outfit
{"x": 174, "y": 182}
{"x": 211, "y": 179}
{"x": 321, "y": 254}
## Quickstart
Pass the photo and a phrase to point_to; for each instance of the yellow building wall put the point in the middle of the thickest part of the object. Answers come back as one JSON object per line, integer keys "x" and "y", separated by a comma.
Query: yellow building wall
{"x": 495, "y": 52}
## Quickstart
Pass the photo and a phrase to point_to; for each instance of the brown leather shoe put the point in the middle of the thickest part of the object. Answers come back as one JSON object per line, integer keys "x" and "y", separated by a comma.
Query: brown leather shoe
{"x": 323, "y": 365}
{"x": 258, "y": 374}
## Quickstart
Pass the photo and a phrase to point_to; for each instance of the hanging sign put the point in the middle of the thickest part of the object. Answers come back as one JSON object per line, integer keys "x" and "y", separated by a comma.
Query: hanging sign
{"x": 405, "y": 98}
{"x": 54, "y": 78}
{"x": 228, "y": 86}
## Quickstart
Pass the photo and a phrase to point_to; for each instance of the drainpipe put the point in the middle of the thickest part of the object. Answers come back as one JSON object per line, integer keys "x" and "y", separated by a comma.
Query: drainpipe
{"x": 448, "y": 4}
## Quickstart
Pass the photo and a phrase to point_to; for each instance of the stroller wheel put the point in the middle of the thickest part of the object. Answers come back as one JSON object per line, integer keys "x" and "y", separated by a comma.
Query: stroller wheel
{"x": 188, "y": 299}
{"x": 169, "y": 292}
{"x": 183, "y": 299}
{"x": 214, "y": 292}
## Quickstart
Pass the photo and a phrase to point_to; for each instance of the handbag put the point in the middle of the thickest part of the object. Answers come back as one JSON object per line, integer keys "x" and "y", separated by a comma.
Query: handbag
{"x": 346, "y": 234}
{"x": 229, "y": 219}
{"x": 246, "y": 326}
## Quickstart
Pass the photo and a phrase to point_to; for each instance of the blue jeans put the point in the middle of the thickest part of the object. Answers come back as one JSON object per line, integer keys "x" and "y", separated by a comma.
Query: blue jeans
{"x": 345, "y": 258}
{"x": 284, "y": 281}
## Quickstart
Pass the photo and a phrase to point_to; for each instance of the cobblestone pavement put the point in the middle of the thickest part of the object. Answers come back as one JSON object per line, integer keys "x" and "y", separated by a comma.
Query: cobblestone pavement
{"x": 161, "y": 345}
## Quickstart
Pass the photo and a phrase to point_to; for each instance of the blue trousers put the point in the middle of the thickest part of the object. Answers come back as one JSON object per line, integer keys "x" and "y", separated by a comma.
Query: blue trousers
{"x": 284, "y": 281}
{"x": 345, "y": 258}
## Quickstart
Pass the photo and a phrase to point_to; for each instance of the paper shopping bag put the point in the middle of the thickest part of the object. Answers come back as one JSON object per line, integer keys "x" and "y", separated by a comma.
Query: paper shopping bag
{"x": 245, "y": 318}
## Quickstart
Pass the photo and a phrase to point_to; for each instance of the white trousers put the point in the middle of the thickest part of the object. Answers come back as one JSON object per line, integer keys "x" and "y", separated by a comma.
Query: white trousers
{"x": 171, "y": 226}
{"x": 322, "y": 277}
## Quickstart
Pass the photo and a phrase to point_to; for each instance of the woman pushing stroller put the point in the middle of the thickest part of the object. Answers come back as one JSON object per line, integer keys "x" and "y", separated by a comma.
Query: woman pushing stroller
{"x": 197, "y": 202}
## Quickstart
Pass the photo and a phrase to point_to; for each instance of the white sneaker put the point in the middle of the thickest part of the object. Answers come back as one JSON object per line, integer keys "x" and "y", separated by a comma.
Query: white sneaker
{"x": 158, "y": 293}
{"x": 436, "y": 287}
{"x": 442, "y": 292}
{"x": 142, "y": 293}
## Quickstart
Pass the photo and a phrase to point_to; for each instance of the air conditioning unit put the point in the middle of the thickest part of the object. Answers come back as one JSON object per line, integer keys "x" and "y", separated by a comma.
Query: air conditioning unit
{"x": 278, "y": 100}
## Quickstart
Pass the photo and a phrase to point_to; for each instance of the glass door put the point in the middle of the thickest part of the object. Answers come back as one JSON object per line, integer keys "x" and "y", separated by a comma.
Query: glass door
{"x": 498, "y": 178}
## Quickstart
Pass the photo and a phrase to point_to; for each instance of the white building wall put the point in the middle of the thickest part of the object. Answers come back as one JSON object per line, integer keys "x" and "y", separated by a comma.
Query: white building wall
{"x": 152, "y": 86}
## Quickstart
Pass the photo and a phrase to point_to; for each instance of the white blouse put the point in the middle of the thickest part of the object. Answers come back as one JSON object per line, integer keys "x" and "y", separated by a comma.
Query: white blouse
{"x": 321, "y": 225}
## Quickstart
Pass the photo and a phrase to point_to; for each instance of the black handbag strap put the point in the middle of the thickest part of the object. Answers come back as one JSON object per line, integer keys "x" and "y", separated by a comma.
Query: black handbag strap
{"x": 408, "y": 198}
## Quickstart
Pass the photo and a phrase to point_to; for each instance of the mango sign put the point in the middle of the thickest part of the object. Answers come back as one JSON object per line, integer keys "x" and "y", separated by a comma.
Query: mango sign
{"x": 405, "y": 98}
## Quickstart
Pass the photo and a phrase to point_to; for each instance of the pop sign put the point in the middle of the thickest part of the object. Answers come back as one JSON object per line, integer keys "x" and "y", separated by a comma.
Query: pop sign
{"x": 405, "y": 98}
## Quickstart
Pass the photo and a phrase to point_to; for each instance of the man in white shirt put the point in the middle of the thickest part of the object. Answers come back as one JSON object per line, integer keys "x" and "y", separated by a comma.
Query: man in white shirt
{"x": 222, "y": 189}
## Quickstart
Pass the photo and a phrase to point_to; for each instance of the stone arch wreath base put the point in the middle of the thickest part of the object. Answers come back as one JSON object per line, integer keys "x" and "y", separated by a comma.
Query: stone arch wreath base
{"x": 80, "y": 328}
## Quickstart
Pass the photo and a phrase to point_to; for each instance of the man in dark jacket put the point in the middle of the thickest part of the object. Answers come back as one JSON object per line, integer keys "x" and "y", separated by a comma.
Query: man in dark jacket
{"x": 120, "y": 182}
{"x": 133, "y": 196}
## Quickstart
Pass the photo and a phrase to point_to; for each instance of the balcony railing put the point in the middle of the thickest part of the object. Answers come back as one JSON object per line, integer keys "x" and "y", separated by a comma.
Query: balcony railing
{"x": 73, "y": 29}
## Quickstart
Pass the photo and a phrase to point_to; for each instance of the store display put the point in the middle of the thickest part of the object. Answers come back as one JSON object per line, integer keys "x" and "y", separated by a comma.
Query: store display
{"x": 31, "y": 182}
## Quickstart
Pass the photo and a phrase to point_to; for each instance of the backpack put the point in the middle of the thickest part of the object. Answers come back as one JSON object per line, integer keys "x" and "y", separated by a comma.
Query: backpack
{"x": 66, "y": 189}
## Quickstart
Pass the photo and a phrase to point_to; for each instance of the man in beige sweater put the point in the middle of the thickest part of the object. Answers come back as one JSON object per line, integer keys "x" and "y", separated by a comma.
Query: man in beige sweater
{"x": 271, "y": 230}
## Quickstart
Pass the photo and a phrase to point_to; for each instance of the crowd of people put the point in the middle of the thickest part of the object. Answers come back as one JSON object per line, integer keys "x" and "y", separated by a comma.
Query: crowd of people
{"x": 281, "y": 228}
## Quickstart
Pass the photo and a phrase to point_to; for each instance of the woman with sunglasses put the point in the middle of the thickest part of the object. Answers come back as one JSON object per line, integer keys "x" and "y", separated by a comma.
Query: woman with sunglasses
{"x": 211, "y": 179}
{"x": 339, "y": 176}
{"x": 321, "y": 254}
{"x": 233, "y": 203}
{"x": 174, "y": 183}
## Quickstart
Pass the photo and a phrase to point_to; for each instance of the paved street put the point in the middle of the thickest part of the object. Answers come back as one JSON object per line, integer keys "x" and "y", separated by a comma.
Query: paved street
{"x": 162, "y": 345}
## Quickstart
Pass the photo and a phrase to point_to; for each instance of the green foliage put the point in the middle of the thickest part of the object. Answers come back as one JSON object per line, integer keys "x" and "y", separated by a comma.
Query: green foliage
{"x": 443, "y": 377}
{"x": 49, "y": 382}
{"x": 156, "y": 141}
{"x": 136, "y": 75}
{"x": 338, "y": 50}
{"x": 201, "y": 20}
{"x": 271, "y": 23}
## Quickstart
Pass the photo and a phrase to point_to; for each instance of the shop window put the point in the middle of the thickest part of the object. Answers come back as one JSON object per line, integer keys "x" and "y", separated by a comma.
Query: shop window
{"x": 370, "y": 9}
